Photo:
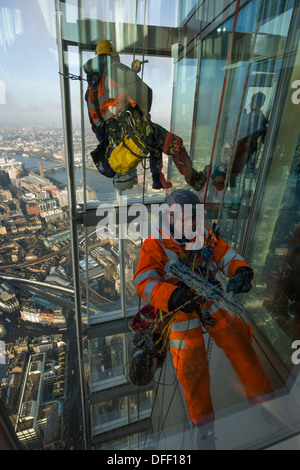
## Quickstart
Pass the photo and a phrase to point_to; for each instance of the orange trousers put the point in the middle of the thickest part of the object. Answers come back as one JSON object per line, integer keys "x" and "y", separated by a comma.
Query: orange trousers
{"x": 191, "y": 364}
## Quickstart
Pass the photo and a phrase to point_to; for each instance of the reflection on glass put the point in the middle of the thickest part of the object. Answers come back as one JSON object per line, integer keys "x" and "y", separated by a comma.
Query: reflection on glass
{"x": 34, "y": 226}
{"x": 100, "y": 271}
{"x": 249, "y": 94}
{"x": 118, "y": 412}
{"x": 275, "y": 247}
{"x": 107, "y": 358}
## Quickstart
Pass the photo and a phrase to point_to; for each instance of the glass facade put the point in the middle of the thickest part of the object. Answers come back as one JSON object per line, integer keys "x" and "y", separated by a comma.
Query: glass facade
{"x": 225, "y": 79}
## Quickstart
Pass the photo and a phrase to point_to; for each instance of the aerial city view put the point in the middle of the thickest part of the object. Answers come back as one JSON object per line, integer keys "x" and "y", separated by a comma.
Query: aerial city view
{"x": 37, "y": 329}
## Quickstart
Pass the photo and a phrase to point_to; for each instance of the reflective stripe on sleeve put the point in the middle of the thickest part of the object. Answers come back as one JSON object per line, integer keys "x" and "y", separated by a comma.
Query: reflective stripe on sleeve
{"x": 227, "y": 259}
{"x": 146, "y": 274}
{"x": 171, "y": 255}
{"x": 148, "y": 290}
{"x": 186, "y": 325}
{"x": 177, "y": 343}
{"x": 212, "y": 309}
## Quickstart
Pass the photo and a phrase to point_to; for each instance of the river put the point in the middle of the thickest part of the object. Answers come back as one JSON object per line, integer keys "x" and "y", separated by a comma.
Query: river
{"x": 103, "y": 186}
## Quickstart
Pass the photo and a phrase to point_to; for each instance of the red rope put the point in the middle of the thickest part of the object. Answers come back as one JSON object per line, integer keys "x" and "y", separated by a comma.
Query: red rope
{"x": 222, "y": 96}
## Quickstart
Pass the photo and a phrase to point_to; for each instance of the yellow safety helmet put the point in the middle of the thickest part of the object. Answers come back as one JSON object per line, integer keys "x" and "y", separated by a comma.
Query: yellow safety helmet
{"x": 106, "y": 47}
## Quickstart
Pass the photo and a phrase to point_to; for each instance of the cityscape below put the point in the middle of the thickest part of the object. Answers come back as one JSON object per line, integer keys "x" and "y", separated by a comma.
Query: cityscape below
{"x": 39, "y": 373}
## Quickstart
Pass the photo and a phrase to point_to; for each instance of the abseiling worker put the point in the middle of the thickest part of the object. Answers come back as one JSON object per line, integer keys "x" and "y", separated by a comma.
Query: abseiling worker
{"x": 119, "y": 104}
{"x": 186, "y": 341}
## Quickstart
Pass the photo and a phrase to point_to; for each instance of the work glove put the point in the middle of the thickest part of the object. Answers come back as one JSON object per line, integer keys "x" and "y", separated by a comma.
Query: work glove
{"x": 241, "y": 281}
{"x": 182, "y": 296}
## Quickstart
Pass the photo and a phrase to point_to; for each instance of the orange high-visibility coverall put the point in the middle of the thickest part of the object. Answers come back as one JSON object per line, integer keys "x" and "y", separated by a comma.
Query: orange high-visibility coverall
{"x": 186, "y": 335}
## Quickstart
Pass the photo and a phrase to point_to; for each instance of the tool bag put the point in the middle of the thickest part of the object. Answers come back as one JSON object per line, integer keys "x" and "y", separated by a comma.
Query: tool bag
{"x": 142, "y": 319}
{"x": 146, "y": 355}
{"x": 128, "y": 154}
{"x": 100, "y": 157}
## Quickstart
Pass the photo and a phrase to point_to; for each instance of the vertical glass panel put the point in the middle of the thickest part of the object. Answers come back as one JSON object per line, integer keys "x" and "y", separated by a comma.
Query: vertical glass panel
{"x": 100, "y": 188}
{"x": 100, "y": 270}
{"x": 274, "y": 249}
{"x": 115, "y": 413}
{"x": 183, "y": 105}
{"x": 108, "y": 357}
{"x": 235, "y": 108}
{"x": 185, "y": 7}
{"x": 37, "y": 315}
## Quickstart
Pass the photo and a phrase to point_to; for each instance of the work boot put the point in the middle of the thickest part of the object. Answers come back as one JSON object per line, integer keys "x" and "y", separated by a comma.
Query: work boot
{"x": 156, "y": 184}
{"x": 158, "y": 179}
{"x": 197, "y": 180}
{"x": 204, "y": 437}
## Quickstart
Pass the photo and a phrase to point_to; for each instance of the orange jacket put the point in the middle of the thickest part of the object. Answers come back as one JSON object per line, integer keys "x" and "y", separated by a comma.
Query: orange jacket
{"x": 118, "y": 87}
{"x": 156, "y": 287}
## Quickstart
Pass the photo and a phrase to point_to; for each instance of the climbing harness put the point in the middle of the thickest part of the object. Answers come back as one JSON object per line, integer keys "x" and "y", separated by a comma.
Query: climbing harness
{"x": 149, "y": 346}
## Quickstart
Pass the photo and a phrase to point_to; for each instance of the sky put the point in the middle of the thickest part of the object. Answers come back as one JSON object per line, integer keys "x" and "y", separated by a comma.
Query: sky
{"x": 29, "y": 70}
{"x": 30, "y": 90}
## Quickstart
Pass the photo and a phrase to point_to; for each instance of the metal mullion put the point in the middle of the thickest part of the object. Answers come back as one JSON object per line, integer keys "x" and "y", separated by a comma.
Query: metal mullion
{"x": 69, "y": 156}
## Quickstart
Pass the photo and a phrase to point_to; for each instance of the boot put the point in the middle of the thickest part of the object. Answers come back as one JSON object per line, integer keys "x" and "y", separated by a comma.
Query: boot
{"x": 197, "y": 180}
{"x": 204, "y": 437}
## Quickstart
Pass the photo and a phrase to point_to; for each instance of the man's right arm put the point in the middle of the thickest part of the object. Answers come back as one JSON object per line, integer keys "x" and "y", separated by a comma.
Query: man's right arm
{"x": 149, "y": 276}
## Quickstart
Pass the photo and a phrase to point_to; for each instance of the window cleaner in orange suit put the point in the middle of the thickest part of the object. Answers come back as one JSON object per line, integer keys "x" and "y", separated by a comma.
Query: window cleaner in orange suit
{"x": 119, "y": 105}
{"x": 186, "y": 335}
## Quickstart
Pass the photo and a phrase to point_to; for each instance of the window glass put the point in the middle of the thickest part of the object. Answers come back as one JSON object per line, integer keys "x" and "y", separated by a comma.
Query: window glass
{"x": 239, "y": 117}
{"x": 100, "y": 188}
{"x": 244, "y": 128}
{"x": 183, "y": 107}
{"x": 37, "y": 314}
{"x": 235, "y": 108}
{"x": 107, "y": 361}
{"x": 274, "y": 249}
{"x": 114, "y": 413}
{"x": 100, "y": 270}
{"x": 185, "y": 7}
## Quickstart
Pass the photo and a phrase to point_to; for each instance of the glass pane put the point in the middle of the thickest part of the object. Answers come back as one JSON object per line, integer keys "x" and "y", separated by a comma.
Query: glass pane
{"x": 274, "y": 249}
{"x": 102, "y": 188}
{"x": 235, "y": 108}
{"x": 107, "y": 361}
{"x": 249, "y": 124}
{"x": 185, "y": 7}
{"x": 100, "y": 270}
{"x": 111, "y": 414}
{"x": 37, "y": 321}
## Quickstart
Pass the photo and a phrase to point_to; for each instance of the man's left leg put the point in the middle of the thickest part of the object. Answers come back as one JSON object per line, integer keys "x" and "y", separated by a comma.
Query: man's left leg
{"x": 235, "y": 337}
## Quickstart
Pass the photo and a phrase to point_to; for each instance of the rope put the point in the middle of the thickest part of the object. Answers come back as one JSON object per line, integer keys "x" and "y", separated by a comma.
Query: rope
{"x": 222, "y": 96}
{"x": 235, "y": 139}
